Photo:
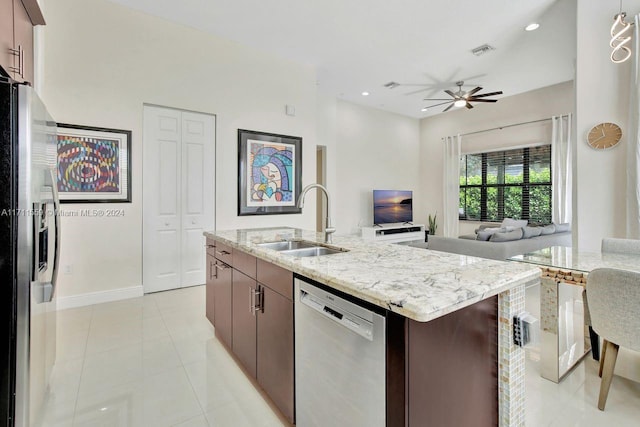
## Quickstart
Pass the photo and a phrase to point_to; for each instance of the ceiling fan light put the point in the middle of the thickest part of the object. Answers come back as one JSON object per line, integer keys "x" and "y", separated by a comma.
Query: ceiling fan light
{"x": 460, "y": 103}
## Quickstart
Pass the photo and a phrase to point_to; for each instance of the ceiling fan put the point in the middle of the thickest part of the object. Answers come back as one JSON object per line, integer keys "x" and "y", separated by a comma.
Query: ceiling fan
{"x": 461, "y": 98}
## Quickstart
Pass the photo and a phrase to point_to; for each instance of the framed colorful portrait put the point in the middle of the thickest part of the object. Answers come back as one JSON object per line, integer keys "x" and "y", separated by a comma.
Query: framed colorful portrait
{"x": 94, "y": 164}
{"x": 269, "y": 173}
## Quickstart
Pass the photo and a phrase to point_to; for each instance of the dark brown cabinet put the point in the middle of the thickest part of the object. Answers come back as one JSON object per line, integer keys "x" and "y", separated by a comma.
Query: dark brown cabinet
{"x": 222, "y": 302}
{"x": 17, "y": 18}
{"x": 245, "y": 300}
{"x": 275, "y": 356}
{"x": 209, "y": 303}
{"x": 252, "y": 312}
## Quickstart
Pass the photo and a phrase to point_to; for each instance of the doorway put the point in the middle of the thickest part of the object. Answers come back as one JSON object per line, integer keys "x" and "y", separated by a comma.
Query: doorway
{"x": 178, "y": 196}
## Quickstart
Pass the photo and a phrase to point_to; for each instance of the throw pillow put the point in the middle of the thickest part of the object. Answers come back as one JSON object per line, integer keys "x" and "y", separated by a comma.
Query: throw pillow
{"x": 548, "y": 229}
{"x": 562, "y": 228}
{"x": 483, "y": 235}
{"x": 517, "y": 223}
{"x": 507, "y": 236}
{"x": 529, "y": 232}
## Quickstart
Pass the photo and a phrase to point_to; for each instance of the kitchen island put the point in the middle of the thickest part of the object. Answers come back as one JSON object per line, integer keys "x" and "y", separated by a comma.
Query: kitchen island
{"x": 440, "y": 308}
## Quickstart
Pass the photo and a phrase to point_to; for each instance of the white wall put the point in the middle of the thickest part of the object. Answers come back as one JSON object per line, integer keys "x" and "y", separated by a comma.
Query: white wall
{"x": 102, "y": 62}
{"x": 375, "y": 150}
{"x": 538, "y": 104}
{"x": 602, "y": 95}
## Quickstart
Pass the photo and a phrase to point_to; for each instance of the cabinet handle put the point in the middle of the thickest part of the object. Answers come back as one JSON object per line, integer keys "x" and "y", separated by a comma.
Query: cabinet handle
{"x": 209, "y": 246}
{"x": 255, "y": 300}
{"x": 17, "y": 52}
{"x": 21, "y": 61}
{"x": 222, "y": 253}
{"x": 213, "y": 271}
{"x": 221, "y": 267}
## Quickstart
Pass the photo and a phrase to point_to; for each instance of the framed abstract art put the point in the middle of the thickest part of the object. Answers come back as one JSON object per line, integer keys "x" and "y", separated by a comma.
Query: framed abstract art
{"x": 94, "y": 164}
{"x": 269, "y": 173}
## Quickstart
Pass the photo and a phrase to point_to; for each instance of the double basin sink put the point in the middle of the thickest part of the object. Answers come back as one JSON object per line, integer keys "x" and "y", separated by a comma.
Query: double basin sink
{"x": 301, "y": 248}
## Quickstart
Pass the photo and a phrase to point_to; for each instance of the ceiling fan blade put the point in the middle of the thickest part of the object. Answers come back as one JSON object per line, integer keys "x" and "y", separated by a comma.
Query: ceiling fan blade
{"x": 413, "y": 92}
{"x": 451, "y": 93}
{"x": 441, "y": 103}
{"x": 483, "y": 100}
{"x": 484, "y": 95}
{"x": 472, "y": 91}
{"x": 448, "y": 108}
{"x": 469, "y": 106}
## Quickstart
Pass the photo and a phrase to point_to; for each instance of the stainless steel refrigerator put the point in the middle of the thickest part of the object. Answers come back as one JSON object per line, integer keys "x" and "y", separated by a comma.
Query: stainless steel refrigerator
{"x": 29, "y": 252}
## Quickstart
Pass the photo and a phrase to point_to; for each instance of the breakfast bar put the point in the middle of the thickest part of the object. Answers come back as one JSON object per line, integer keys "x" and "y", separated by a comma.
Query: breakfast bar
{"x": 439, "y": 308}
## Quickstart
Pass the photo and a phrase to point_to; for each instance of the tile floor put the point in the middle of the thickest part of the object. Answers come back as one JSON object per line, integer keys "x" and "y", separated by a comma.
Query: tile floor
{"x": 154, "y": 361}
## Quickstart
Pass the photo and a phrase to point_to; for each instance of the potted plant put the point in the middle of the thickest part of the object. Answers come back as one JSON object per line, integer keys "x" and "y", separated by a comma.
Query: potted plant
{"x": 433, "y": 226}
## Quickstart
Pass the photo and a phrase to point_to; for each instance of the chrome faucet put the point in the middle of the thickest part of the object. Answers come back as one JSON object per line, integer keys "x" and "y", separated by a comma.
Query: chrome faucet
{"x": 328, "y": 229}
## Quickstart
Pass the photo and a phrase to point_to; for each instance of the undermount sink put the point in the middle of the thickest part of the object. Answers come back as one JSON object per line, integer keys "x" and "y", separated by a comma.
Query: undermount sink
{"x": 287, "y": 245}
{"x": 301, "y": 248}
{"x": 313, "y": 251}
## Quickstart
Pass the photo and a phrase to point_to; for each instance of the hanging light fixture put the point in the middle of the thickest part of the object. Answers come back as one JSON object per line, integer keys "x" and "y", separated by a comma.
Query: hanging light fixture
{"x": 620, "y": 37}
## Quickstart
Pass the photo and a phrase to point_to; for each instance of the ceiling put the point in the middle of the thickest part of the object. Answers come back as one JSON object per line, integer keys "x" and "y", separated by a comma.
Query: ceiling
{"x": 359, "y": 45}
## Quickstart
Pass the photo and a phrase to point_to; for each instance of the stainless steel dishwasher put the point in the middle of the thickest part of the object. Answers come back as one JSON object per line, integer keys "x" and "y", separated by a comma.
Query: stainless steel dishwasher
{"x": 340, "y": 360}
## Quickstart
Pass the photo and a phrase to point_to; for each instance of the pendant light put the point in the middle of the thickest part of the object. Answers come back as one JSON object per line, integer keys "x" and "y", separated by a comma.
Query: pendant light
{"x": 620, "y": 37}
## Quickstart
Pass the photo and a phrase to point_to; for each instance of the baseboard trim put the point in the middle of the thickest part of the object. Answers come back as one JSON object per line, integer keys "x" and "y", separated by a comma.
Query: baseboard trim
{"x": 99, "y": 297}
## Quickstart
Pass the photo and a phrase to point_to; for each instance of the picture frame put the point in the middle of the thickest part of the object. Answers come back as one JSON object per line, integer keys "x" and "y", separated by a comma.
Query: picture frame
{"x": 269, "y": 173}
{"x": 93, "y": 164}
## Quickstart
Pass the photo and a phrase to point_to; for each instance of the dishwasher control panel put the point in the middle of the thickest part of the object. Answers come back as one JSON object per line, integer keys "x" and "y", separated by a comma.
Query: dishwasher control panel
{"x": 338, "y": 310}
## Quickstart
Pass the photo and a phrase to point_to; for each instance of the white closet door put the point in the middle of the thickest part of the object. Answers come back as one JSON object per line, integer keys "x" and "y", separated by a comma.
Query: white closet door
{"x": 161, "y": 199}
{"x": 197, "y": 193}
{"x": 178, "y": 196}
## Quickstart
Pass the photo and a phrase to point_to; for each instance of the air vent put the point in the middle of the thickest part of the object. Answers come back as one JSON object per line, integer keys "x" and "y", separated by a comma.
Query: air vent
{"x": 392, "y": 85}
{"x": 481, "y": 50}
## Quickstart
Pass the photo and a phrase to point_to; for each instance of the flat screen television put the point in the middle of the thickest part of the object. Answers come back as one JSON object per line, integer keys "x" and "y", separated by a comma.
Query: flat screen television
{"x": 391, "y": 206}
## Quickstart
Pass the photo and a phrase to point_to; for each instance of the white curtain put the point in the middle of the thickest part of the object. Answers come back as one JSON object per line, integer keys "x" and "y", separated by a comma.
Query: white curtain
{"x": 451, "y": 185}
{"x": 561, "y": 159}
{"x": 633, "y": 142}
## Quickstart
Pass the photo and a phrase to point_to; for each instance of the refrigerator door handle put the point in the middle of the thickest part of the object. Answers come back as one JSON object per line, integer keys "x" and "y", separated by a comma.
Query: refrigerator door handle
{"x": 50, "y": 288}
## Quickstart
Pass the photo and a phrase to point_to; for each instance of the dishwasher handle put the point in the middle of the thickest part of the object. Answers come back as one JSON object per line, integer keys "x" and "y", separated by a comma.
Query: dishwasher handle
{"x": 358, "y": 325}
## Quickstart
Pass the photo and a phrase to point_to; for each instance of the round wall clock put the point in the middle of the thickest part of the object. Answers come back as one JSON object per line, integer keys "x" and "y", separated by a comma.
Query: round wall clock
{"x": 604, "y": 135}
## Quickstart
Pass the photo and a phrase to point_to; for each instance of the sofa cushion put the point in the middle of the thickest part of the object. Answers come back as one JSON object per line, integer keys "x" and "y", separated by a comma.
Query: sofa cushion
{"x": 517, "y": 223}
{"x": 562, "y": 228}
{"x": 529, "y": 232}
{"x": 486, "y": 233}
{"x": 506, "y": 236}
{"x": 548, "y": 229}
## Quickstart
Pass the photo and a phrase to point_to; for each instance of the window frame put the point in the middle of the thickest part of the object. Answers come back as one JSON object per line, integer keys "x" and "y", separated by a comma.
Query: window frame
{"x": 525, "y": 185}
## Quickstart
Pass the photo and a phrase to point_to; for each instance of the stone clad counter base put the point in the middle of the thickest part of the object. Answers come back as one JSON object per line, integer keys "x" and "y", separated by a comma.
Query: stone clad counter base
{"x": 415, "y": 283}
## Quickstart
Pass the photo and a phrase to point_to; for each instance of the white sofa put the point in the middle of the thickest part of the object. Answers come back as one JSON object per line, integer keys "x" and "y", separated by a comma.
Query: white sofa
{"x": 497, "y": 250}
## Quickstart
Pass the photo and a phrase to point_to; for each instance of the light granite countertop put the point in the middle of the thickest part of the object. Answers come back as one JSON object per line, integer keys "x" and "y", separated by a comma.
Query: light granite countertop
{"x": 576, "y": 260}
{"x": 420, "y": 284}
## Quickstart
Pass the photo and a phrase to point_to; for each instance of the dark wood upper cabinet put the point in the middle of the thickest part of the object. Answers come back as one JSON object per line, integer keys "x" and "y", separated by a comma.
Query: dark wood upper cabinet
{"x": 17, "y": 18}
{"x": 244, "y": 321}
{"x": 6, "y": 34}
{"x": 275, "y": 349}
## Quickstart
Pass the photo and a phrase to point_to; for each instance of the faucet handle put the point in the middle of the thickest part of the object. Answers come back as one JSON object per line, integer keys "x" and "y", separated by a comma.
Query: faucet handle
{"x": 330, "y": 230}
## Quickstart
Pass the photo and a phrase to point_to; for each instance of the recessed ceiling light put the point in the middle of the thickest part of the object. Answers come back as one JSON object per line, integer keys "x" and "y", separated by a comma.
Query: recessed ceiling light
{"x": 365, "y": 93}
{"x": 531, "y": 27}
{"x": 424, "y": 109}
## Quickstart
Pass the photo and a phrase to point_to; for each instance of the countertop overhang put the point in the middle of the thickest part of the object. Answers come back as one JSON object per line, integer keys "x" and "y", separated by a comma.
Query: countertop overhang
{"x": 420, "y": 284}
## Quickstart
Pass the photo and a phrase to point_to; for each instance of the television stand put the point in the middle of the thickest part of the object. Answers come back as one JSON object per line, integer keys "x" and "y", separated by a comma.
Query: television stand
{"x": 394, "y": 233}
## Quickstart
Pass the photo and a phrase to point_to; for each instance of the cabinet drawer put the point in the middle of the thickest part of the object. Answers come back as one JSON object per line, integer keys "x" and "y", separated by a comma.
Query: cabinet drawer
{"x": 223, "y": 253}
{"x": 211, "y": 247}
{"x": 244, "y": 262}
{"x": 276, "y": 278}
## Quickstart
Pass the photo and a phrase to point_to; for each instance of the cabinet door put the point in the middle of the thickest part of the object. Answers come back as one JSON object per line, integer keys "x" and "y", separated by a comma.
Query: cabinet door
{"x": 222, "y": 289}
{"x": 275, "y": 350}
{"x": 244, "y": 321}
{"x": 23, "y": 34}
{"x": 6, "y": 35}
{"x": 211, "y": 276}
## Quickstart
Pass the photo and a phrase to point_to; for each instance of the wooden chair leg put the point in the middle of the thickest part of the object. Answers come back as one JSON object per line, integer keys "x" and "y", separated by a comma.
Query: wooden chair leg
{"x": 604, "y": 351}
{"x": 607, "y": 373}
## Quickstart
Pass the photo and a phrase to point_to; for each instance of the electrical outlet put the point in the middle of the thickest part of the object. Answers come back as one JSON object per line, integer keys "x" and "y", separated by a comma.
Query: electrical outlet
{"x": 68, "y": 269}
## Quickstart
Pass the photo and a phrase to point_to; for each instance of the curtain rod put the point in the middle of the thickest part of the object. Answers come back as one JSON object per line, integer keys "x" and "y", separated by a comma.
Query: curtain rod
{"x": 509, "y": 126}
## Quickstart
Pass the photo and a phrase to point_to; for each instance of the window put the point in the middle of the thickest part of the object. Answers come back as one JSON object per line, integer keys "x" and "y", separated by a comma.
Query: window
{"x": 506, "y": 184}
